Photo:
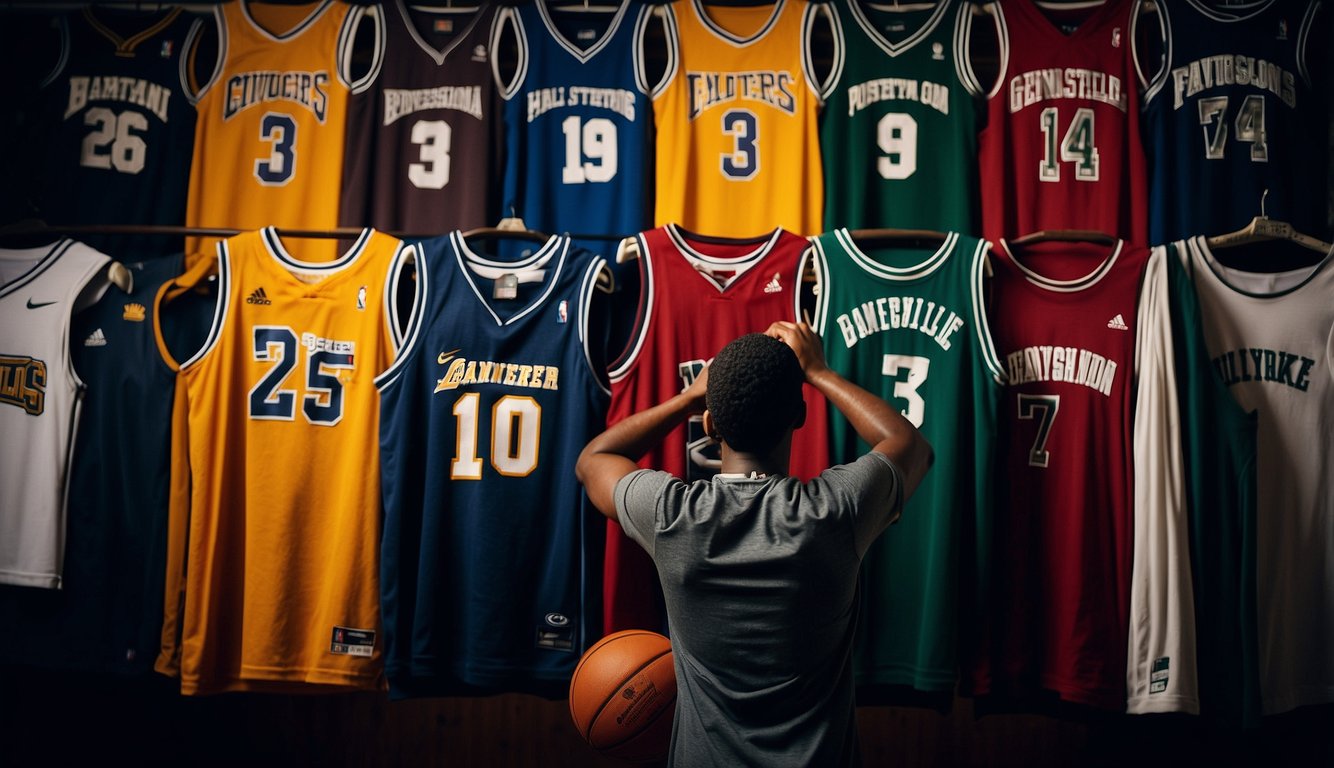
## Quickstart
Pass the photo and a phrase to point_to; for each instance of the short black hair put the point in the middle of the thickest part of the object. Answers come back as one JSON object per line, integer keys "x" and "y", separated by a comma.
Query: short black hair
{"x": 754, "y": 392}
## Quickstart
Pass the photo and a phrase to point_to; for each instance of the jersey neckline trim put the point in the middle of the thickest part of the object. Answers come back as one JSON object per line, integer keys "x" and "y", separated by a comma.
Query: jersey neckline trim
{"x": 1086, "y": 27}
{"x": 909, "y": 42}
{"x": 43, "y": 263}
{"x": 737, "y": 40}
{"x": 917, "y": 271}
{"x": 1065, "y": 286}
{"x": 438, "y": 55}
{"x": 1232, "y": 15}
{"x": 583, "y": 55}
{"x": 290, "y": 34}
{"x": 741, "y": 265}
{"x": 466, "y": 257}
{"x": 128, "y": 44}
{"x": 328, "y": 271}
{"x": 1199, "y": 247}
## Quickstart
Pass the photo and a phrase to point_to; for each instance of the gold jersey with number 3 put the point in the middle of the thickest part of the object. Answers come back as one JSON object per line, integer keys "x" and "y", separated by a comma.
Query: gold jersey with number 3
{"x": 738, "y": 149}
{"x": 272, "y": 121}
{"x": 281, "y": 562}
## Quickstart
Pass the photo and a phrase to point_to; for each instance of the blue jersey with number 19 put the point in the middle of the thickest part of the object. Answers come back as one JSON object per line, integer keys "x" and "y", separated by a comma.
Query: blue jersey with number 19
{"x": 487, "y": 580}
{"x": 577, "y": 117}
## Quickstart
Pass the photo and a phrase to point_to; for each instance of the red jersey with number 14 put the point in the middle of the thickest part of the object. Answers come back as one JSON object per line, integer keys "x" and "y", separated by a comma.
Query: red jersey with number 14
{"x": 1062, "y": 146}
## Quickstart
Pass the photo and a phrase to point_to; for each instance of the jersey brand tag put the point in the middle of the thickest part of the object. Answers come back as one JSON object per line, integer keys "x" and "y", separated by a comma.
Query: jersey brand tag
{"x": 555, "y": 638}
{"x": 1158, "y": 677}
{"x": 352, "y": 642}
{"x": 507, "y": 287}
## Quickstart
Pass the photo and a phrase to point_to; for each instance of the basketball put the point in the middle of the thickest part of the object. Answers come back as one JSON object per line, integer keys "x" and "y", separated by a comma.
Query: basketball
{"x": 623, "y": 695}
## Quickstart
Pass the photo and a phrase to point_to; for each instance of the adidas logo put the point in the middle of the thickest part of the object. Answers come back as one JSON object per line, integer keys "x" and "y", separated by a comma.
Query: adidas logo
{"x": 258, "y": 296}
{"x": 773, "y": 286}
{"x": 135, "y": 312}
{"x": 95, "y": 339}
{"x": 1118, "y": 323}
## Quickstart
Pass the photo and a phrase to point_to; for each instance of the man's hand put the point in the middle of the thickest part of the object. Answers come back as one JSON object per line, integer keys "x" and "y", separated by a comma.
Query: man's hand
{"x": 696, "y": 391}
{"x": 804, "y": 342}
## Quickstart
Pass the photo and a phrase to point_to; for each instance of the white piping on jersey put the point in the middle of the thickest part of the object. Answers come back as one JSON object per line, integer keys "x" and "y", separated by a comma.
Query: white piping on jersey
{"x": 467, "y": 257}
{"x": 1066, "y": 286}
{"x": 739, "y": 265}
{"x": 438, "y": 56}
{"x": 839, "y": 57}
{"x": 582, "y": 55}
{"x": 274, "y": 245}
{"x": 620, "y": 368}
{"x": 586, "y": 287}
{"x": 402, "y": 254}
{"x": 737, "y": 41}
{"x": 220, "y": 310}
{"x": 508, "y": 90}
{"x": 989, "y": 354}
{"x": 1003, "y": 42}
{"x": 346, "y": 48}
{"x": 408, "y": 348}
{"x": 673, "y": 44}
{"x": 963, "y": 61}
{"x": 1262, "y": 285}
{"x": 898, "y": 274}
{"x": 891, "y": 48}
{"x": 1229, "y": 15}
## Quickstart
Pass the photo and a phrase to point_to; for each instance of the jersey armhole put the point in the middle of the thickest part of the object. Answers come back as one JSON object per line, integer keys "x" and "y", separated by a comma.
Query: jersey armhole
{"x": 63, "y": 59}
{"x": 620, "y": 367}
{"x": 412, "y": 333}
{"x": 672, "y": 44}
{"x": 1152, "y": 85}
{"x": 220, "y": 310}
{"x": 819, "y": 262}
{"x": 396, "y": 328}
{"x": 90, "y": 289}
{"x": 347, "y": 48}
{"x": 498, "y": 27}
{"x": 587, "y": 286}
{"x": 1303, "y": 38}
{"x": 188, "y": 66}
{"x": 1003, "y": 49}
{"x": 821, "y": 88}
{"x": 987, "y": 345}
{"x": 963, "y": 59}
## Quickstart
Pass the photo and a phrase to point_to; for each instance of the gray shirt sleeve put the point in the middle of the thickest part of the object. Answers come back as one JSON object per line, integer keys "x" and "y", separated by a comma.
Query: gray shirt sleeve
{"x": 875, "y": 494}
{"x": 638, "y": 496}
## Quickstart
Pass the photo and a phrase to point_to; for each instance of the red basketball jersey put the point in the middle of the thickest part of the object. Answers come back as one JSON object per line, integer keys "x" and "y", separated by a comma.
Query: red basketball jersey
{"x": 696, "y": 295}
{"x": 1062, "y": 147}
{"x": 1063, "y": 537}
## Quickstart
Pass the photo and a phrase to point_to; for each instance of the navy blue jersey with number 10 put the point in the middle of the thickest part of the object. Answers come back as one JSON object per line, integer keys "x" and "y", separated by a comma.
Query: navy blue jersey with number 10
{"x": 486, "y": 576}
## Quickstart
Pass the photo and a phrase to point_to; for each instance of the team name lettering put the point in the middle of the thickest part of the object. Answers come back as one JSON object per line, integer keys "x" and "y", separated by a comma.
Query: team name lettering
{"x": 130, "y": 90}
{"x": 1068, "y": 364}
{"x": 1254, "y": 364}
{"x": 709, "y": 89}
{"x": 399, "y": 102}
{"x": 892, "y": 313}
{"x": 23, "y": 383}
{"x": 1228, "y": 69}
{"x": 1029, "y": 88}
{"x": 462, "y": 372}
{"x": 317, "y": 344}
{"x": 863, "y": 95}
{"x": 247, "y": 89}
{"x": 618, "y": 100}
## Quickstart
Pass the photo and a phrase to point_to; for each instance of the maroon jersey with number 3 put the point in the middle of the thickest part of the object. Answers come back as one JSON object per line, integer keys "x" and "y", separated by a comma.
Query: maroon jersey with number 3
{"x": 697, "y": 294}
{"x": 1063, "y": 525}
{"x": 1062, "y": 147}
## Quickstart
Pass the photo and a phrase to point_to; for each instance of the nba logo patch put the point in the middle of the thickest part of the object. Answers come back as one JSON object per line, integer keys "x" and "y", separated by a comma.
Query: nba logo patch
{"x": 1116, "y": 37}
{"x": 937, "y": 51}
{"x": 1282, "y": 29}
{"x": 361, "y": 297}
{"x": 167, "y": 47}
{"x": 563, "y": 311}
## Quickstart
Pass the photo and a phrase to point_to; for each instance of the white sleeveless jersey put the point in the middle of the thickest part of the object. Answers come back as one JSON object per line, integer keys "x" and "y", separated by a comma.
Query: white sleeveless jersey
{"x": 1270, "y": 338}
{"x": 40, "y": 289}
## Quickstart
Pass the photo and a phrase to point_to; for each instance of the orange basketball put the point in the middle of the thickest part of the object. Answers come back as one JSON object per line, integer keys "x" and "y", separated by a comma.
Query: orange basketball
{"x": 623, "y": 695}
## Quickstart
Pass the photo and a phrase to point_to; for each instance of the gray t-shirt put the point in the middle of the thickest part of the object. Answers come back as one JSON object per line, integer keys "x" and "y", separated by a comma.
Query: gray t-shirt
{"x": 760, "y": 581}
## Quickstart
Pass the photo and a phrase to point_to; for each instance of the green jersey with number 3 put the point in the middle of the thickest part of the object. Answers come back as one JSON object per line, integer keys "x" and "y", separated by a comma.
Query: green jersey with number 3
{"x": 909, "y": 325}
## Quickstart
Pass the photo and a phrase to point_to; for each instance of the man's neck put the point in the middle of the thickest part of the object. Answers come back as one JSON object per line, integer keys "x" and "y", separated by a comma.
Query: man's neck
{"x": 744, "y": 463}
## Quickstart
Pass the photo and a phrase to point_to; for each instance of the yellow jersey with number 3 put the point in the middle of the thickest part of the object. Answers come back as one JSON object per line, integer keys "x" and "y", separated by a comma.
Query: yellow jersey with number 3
{"x": 738, "y": 148}
{"x": 272, "y": 121}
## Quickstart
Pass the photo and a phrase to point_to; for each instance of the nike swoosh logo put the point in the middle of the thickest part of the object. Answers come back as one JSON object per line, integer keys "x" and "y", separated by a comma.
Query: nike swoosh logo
{"x": 31, "y": 305}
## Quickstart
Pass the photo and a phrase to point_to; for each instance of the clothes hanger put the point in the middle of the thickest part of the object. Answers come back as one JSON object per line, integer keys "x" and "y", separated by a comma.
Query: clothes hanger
{"x": 1065, "y": 236}
{"x": 443, "y": 8}
{"x": 583, "y": 6}
{"x": 513, "y": 227}
{"x": 1264, "y": 228}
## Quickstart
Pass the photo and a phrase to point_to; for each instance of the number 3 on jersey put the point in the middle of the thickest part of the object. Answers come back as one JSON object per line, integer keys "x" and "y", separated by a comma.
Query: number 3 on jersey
{"x": 743, "y": 162}
{"x": 279, "y": 130}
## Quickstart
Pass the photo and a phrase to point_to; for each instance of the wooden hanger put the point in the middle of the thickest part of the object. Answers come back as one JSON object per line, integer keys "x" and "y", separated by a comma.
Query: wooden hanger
{"x": 1264, "y": 228}
{"x": 1065, "y": 236}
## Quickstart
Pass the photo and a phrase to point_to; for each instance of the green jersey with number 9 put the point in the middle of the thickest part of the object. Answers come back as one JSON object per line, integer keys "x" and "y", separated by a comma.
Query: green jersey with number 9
{"x": 898, "y": 131}
{"x": 908, "y": 324}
